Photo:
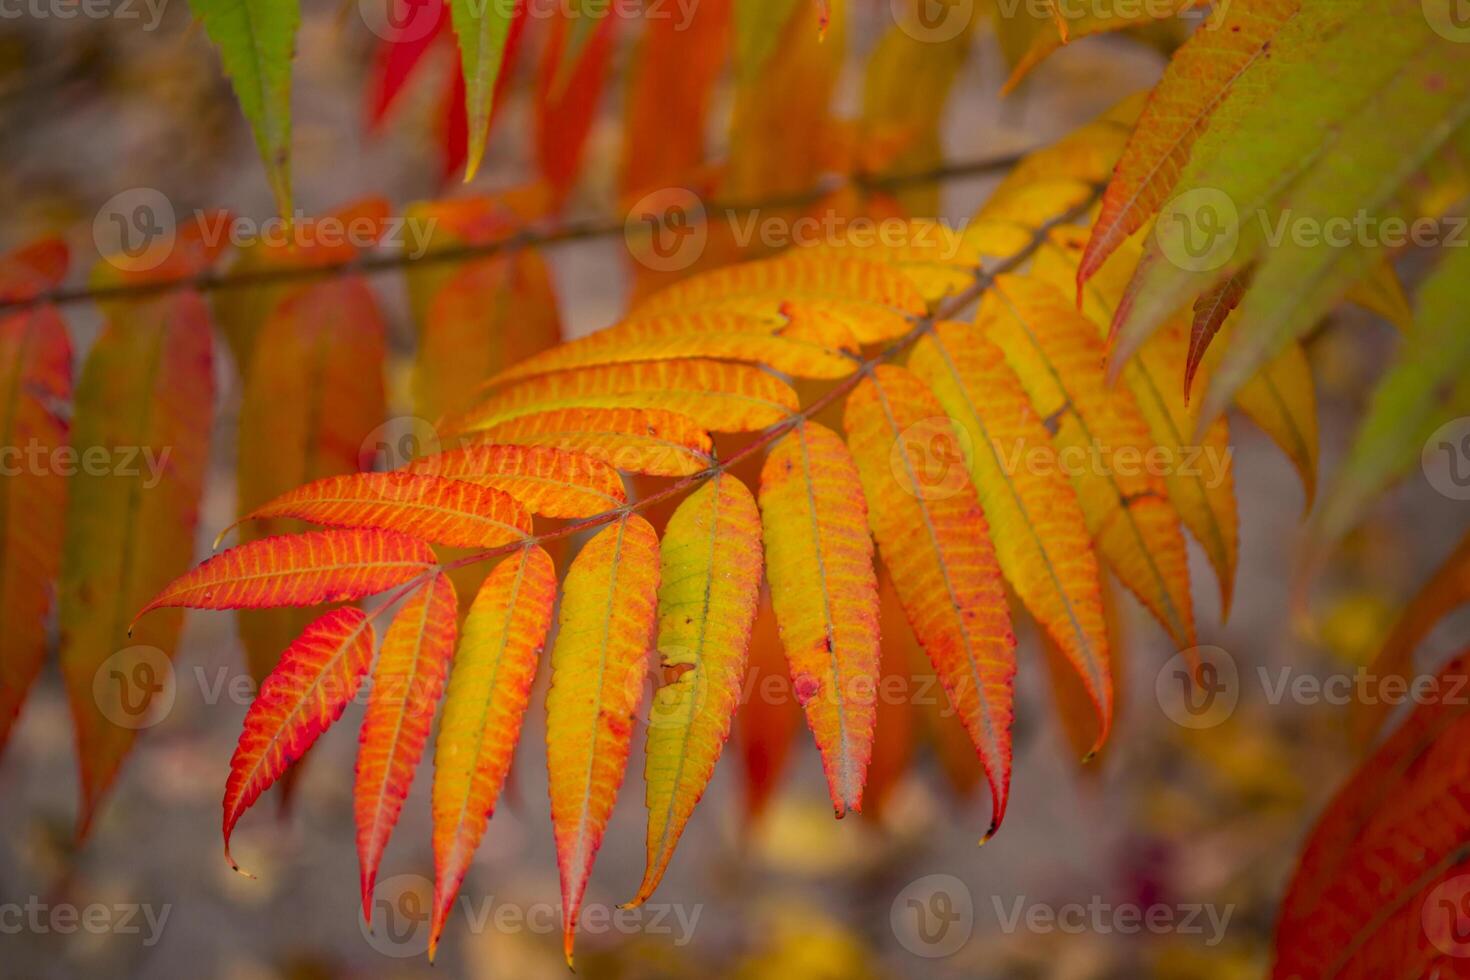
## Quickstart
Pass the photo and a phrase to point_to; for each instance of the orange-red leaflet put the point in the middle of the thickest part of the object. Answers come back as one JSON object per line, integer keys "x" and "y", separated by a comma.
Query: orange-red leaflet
{"x": 449, "y": 512}
{"x": 299, "y": 570}
{"x": 936, "y": 544}
{"x": 317, "y": 676}
{"x": 407, "y": 682}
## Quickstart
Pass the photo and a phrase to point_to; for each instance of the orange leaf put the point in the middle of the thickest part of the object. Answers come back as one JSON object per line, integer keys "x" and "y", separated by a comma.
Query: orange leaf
{"x": 1196, "y": 460}
{"x": 1380, "y": 886}
{"x": 310, "y": 408}
{"x": 490, "y": 314}
{"x": 35, "y": 369}
{"x": 144, "y": 403}
{"x": 1034, "y": 517}
{"x": 1075, "y": 708}
{"x": 1446, "y": 590}
{"x": 406, "y": 685}
{"x": 710, "y": 572}
{"x": 299, "y": 570}
{"x": 598, "y": 667}
{"x": 450, "y": 512}
{"x": 316, "y": 676}
{"x": 670, "y": 88}
{"x": 635, "y": 440}
{"x": 874, "y": 300}
{"x": 819, "y": 561}
{"x": 1058, "y": 356}
{"x": 568, "y": 89}
{"x": 718, "y": 334}
{"x": 31, "y": 269}
{"x": 488, "y": 692}
{"x": 548, "y": 481}
{"x": 936, "y": 545}
{"x": 718, "y": 396}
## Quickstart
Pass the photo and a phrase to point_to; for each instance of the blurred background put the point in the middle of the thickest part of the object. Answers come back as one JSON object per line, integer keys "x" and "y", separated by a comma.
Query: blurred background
{"x": 1165, "y": 857}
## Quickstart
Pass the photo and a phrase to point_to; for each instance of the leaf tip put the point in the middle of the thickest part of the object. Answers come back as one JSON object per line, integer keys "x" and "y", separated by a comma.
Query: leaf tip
{"x": 235, "y": 865}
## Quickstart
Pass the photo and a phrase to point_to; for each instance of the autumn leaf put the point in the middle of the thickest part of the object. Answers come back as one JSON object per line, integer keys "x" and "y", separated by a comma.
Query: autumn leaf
{"x": 935, "y": 543}
{"x": 716, "y": 395}
{"x": 668, "y": 96}
{"x": 489, "y": 689}
{"x": 634, "y": 440}
{"x": 1057, "y": 354}
{"x": 1378, "y": 888}
{"x": 545, "y": 480}
{"x": 1032, "y": 513}
{"x": 256, "y": 42}
{"x": 598, "y": 665}
{"x": 482, "y": 29}
{"x": 1196, "y": 79}
{"x": 316, "y": 676}
{"x": 451, "y": 512}
{"x": 710, "y": 572}
{"x": 299, "y": 570}
{"x": 36, "y": 355}
{"x": 406, "y": 684}
{"x": 819, "y": 561}
{"x": 130, "y": 528}
{"x": 873, "y": 300}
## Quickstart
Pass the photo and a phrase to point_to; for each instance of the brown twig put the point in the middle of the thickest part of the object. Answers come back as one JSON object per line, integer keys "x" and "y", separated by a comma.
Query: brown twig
{"x": 570, "y": 231}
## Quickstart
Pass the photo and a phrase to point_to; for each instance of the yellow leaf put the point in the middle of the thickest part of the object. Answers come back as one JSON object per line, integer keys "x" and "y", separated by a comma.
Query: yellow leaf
{"x": 710, "y": 578}
{"x": 819, "y": 561}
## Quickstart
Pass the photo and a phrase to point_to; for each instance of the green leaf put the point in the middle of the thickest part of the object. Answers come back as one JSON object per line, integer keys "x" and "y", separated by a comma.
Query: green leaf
{"x": 1426, "y": 385}
{"x": 482, "y": 27}
{"x": 1291, "y": 121}
{"x": 256, "y": 40}
{"x": 1300, "y": 280}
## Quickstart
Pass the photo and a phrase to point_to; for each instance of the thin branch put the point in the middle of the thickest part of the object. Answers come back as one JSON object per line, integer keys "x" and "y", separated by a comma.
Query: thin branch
{"x": 583, "y": 229}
